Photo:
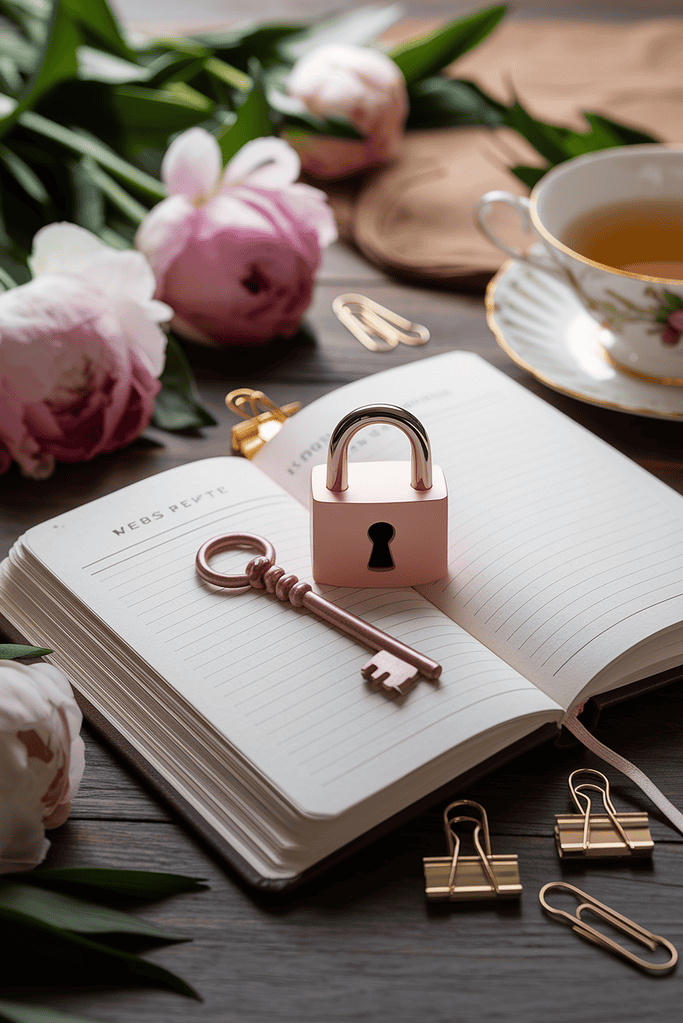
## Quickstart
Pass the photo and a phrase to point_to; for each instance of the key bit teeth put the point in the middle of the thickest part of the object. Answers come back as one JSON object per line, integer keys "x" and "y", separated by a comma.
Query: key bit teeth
{"x": 390, "y": 673}
{"x": 368, "y": 673}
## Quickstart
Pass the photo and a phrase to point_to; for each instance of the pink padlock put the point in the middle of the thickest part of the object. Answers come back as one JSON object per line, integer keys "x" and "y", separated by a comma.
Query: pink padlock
{"x": 379, "y": 523}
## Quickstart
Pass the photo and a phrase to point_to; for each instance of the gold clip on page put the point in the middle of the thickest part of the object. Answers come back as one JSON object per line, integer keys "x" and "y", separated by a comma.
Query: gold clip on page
{"x": 379, "y": 329}
{"x": 621, "y": 923}
{"x": 456, "y": 878}
{"x": 263, "y": 419}
{"x": 602, "y": 835}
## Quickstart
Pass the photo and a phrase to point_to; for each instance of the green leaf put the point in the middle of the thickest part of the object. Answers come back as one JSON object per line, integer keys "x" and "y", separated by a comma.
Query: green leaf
{"x": 73, "y": 914}
{"x": 253, "y": 39}
{"x": 129, "y": 206}
{"x": 30, "y": 18}
{"x": 116, "y": 240}
{"x": 57, "y": 63}
{"x": 183, "y": 73}
{"x": 311, "y": 125}
{"x": 441, "y": 102}
{"x": 33, "y": 29}
{"x": 626, "y": 135}
{"x": 578, "y": 143}
{"x": 529, "y": 176}
{"x": 228, "y": 74}
{"x": 176, "y": 407}
{"x": 10, "y": 651}
{"x": 158, "y": 113}
{"x": 24, "y": 175}
{"x": 670, "y": 304}
{"x": 419, "y": 58}
{"x": 96, "y": 66}
{"x": 547, "y": 139}
{"x": 36, "y": 8}
{"x": 16, "y": 1013}
{"x": 7, "y": 282}
{"x": 86, "y": 145}
{"x": 96, "y": 19}
{"x": 252, "y": 122}
{"x": 115, "y": 962}
{"x": 89, "y": 207}
{"x": 152, "y": 50}
{"x": 190, "y": 96}
{"x": 142, "y": 884}
{"x": 12, "y": 82}
{"x": 603, "y": 134}
{"x": 24, "y": 54}
{"x": 358, "y": 28}
{"x": 557, "y": 143}
{"x": 167, "y": 67}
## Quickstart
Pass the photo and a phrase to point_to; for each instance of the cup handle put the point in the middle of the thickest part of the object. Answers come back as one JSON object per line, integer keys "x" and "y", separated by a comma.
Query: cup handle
{"x": 521, "y": 205}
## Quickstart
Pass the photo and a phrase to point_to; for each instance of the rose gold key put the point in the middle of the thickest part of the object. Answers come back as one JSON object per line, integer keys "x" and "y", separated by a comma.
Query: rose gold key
{"x": 395, "y": 669}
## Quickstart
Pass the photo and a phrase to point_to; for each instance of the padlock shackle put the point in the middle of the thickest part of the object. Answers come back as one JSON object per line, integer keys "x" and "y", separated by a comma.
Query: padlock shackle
{"x": 337, "y": 456}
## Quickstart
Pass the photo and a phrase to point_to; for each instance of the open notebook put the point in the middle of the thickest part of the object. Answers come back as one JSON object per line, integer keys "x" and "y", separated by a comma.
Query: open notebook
{"x": 566, "y": 580}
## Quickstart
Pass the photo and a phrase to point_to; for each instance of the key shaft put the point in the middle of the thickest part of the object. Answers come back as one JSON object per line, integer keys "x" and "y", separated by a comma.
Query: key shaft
{"x": 263, "y": 573}
{"x": 370, "y": 635}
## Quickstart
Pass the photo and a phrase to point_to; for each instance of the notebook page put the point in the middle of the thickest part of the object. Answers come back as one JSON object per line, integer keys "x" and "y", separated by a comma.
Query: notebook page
{"x": 563, "y": 552}
{"x": 280, "y": 684}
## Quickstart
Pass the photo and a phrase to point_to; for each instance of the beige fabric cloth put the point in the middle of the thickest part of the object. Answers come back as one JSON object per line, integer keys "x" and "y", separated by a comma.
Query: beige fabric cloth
{"x": 414, "y": 218}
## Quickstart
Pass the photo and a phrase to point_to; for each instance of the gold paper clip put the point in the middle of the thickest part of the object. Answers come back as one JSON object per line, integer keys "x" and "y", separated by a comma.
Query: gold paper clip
{"x": 454, "y": 878}
{"x": 377, "y": 328}
{"x": 599, "y": 836}
{"x": 622, "y": 923}
{"x": 263, "y": 420}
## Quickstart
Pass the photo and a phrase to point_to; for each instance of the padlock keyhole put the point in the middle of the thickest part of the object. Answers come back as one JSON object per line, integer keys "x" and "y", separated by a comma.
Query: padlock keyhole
{"x": 381, "y": 534}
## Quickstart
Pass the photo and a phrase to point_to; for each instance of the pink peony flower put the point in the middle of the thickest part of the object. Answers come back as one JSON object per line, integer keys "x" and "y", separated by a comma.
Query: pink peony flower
{"x": 235, "y": 255}
{"x": 363, "y": 86}
{"x": 80, "y": 352}
{"x": 41, "y": 759}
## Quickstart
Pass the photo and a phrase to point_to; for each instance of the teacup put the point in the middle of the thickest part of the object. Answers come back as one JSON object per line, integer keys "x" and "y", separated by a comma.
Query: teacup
{"x": 641, "y": 314}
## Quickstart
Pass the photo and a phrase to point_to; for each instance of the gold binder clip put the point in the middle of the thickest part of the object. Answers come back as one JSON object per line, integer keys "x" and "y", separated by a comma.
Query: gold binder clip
{"x": 263, "y": 420}
{"x": 622, "y": 923}
{"x": 599, "y": 836}
{"x": 377, "y": 328}
{"x": 457, "y": 878}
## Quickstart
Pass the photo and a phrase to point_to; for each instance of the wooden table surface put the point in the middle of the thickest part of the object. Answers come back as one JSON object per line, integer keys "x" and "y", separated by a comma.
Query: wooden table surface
{"x": 362, "y": 944}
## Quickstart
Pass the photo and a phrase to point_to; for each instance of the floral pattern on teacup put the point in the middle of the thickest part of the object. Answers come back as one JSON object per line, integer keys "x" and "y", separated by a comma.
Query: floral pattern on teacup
{"x": 671, "y": 316}
{"x": 616, "y": 312}
{"x": 666, "y": 314}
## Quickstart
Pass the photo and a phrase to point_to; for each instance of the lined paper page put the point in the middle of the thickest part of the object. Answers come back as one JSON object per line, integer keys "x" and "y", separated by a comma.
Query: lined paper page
{"x": 282, "y": 686}
{"x": 563, "y": 552}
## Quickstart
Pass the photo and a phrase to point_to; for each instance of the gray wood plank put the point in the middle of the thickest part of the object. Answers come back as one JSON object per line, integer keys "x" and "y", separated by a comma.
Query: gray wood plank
{"x": 342, "y": 264}
{"x": 367, "y": 946}
{"x": 110, "y": 790}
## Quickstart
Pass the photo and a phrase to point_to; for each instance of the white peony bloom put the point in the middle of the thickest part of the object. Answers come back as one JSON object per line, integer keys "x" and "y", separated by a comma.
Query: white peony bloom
{"x": 41, "y": 759}
{"x": 360, "y": 85}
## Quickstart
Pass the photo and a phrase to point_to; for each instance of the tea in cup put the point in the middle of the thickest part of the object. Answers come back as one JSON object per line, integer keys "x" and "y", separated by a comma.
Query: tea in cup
{"x": 611, "y": 224}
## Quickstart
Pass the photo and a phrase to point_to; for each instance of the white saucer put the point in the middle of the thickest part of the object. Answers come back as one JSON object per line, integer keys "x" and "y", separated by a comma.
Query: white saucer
{"x": 542, "y": 326}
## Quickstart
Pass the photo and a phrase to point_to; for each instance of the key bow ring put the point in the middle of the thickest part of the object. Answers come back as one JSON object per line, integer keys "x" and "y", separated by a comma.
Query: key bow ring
{"x": 261, "y": 572}
{"x": 395, "y": 669}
